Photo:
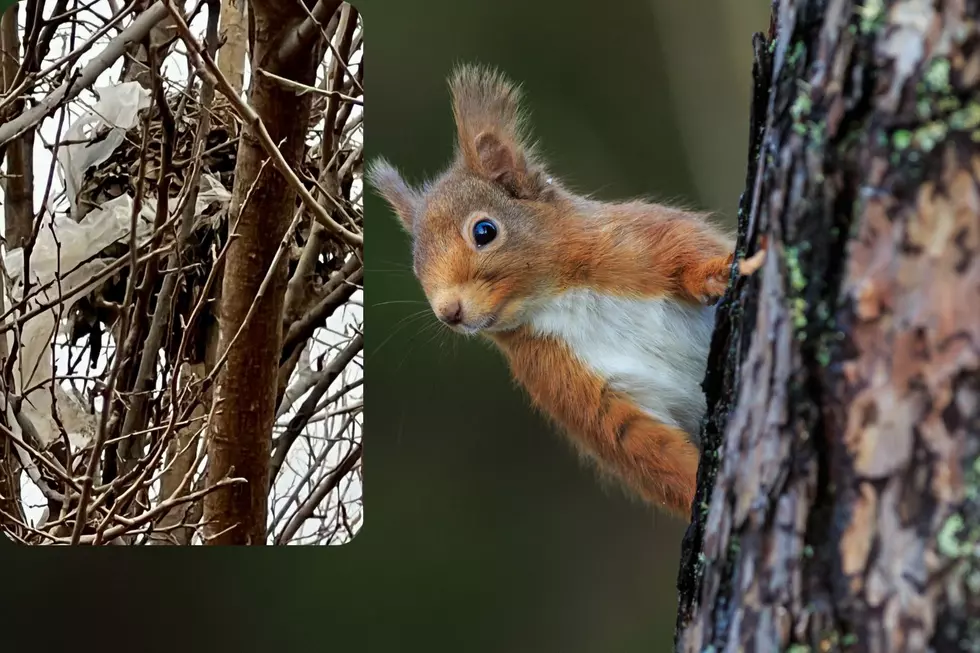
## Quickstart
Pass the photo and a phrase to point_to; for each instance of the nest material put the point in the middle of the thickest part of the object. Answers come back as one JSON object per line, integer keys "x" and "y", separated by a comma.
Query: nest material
{"x": 119, "y": 175}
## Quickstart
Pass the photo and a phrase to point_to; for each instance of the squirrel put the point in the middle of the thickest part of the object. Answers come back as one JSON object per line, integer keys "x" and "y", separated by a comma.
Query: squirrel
{"x": 604, "y": 311}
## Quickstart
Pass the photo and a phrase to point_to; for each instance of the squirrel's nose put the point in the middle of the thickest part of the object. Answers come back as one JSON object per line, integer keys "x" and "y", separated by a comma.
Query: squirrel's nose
{"x": 451, "y": 312}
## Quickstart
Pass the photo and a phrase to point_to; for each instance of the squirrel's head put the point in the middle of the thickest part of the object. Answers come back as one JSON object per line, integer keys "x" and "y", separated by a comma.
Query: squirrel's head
{"x": 485, "y": 232}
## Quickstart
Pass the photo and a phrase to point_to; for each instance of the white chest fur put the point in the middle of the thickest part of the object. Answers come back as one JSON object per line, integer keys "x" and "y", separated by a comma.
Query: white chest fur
{"x": 653, "y": 350}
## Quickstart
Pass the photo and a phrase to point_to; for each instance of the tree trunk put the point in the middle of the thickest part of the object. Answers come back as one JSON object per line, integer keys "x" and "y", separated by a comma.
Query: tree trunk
{"x": 18, "y": 187}
{"x": 262, "y": 205}
{"x": 839, "y": 493}
{"x": 231, "y": 55}
{"x": 18, "y": 220}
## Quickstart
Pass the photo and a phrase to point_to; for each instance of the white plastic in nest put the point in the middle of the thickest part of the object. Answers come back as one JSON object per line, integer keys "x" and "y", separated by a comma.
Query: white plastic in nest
{"x": 210, "y": 191}
{"x": 60, "y": 266}
{"x": 118, "y": 109}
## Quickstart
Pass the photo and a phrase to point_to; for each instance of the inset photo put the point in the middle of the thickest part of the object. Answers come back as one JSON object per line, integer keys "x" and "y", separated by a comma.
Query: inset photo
{"x": 181, "y": 192}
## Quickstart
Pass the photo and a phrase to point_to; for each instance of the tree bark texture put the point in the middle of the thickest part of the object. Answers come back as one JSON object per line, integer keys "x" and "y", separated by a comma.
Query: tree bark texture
{"x": 263, "y": 205}
{"x": 231, "y": 55}
{"x": 839, "y": 492}
{"x": 19, "y": 186}
{"x": 18, "y": 218}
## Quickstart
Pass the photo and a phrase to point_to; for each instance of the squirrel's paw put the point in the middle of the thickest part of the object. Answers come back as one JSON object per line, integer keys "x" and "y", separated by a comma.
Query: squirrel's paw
{"x": 714, "y": 288}
{"x": 749, "y": 266}
{"x": 708, "y": 282}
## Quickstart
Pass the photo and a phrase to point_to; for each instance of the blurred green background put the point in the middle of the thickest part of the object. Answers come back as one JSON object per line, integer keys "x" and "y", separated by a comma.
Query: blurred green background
{"x": 483, "y": 532}
{"x": 627, "y": 98}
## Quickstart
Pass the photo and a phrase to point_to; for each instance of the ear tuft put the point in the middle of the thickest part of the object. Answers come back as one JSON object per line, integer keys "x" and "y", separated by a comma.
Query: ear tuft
{"x": 402, "y": 198}
{"x": 490, "y": 126}
{"x": 496, "y": 159}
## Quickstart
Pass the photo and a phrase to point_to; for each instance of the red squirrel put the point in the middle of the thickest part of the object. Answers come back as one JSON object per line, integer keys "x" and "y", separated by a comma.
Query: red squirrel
{"x": 603, "y": 310}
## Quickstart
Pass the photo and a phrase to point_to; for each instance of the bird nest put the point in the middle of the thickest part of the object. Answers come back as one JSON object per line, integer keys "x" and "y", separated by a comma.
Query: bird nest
{"x": 119, "y": 174}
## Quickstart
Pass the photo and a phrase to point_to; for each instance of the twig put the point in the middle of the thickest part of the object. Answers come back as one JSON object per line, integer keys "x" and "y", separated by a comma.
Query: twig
{"x": 322, "y": 456}
{"x": 71, "y": 87}
{"x": 151, "y": 514}
{"x": 327, "y": 485}
{"x": 308, "y": 408}
{"x": 302, "y": 89}
{"x": 253, "y": 120}
{"x": 107, "y": 396}
{"x": 303, "y": 37}
{"x": 302, "y": 329}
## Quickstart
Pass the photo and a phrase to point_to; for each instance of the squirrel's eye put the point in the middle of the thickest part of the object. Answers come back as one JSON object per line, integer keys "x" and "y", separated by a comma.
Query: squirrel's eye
{"x": 484, "y": 231}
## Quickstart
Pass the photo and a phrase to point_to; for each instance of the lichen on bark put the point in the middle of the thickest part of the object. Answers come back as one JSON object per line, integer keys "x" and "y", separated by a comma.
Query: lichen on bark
{"x": 838, "y": 483}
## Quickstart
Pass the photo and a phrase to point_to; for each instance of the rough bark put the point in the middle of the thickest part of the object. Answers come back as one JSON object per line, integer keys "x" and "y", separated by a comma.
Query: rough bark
{"x": 262, "y": 205}
{"x": 18, "y": 186}
{"x": 18, "y": 216}
{"x": 839, "y": 494}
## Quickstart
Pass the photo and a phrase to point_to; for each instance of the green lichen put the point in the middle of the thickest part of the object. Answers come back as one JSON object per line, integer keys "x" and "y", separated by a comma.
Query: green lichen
{"x": 802, "y": 104}
{"x": 829, "y": 339}
{"x": 948, "y": 103}
{"x": 849, "y": 639}
{"x": 966, "y": 118}
{"x": 902, "y": 139}
{"x": 799, "y": 50}
{"x": 958, "y": 540}
{"x": 798, "y": 311}
{"x": 823, "y": 354}
{"x": 941, "y": 110}
{"x": 913, "y": 144}
{"x": 973, "y": 581}
{"x": 973, "y": 488}
{"x": 872, "y": 16}
{"x": 948, "y": 539}
{"x": 930, "y": 135}
{"x": 796, "y": 279}
{"x": 832, "y": 640}
{"x": 936, "y": 77}
{"x": 923, "y": 107}
{"x": 797, "y": 282}
{"x": 817, "y": 138}
{"x": 734, "y": 547}
{"x": 823, "y": 313}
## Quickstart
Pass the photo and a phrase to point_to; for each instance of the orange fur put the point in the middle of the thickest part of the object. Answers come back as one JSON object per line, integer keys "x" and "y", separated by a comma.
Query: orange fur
{"x": 550, "y": 241}
{"x": 656, "y": 461}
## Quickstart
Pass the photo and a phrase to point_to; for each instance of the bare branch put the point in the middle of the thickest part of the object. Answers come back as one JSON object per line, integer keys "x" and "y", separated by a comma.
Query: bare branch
{"x": 71, "y": 87}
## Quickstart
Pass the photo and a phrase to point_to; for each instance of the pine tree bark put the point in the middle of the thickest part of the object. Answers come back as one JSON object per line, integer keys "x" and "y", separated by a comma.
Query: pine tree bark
{"x": 263, "y": 204}
{"x": 839, "y": 494}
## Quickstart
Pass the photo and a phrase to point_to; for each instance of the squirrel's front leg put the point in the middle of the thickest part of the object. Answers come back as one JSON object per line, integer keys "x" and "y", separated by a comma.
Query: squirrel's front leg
{"x": 706, "y": 278}
{"x": 657, "y": 461}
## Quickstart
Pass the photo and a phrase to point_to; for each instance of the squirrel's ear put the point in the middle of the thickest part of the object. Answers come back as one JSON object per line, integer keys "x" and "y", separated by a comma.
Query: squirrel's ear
{"x": 404, "y": 199}
{"x": 490, "y": 130}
